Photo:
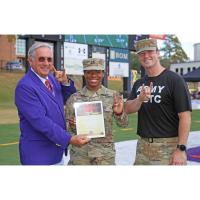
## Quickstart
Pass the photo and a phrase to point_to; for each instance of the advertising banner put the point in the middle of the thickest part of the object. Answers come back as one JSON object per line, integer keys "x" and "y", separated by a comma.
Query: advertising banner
{"x": 73, "y": 56}
{"x": 119, "y": 63}
{"x": 118, "y": 41}
{"x": 118, "y": 69}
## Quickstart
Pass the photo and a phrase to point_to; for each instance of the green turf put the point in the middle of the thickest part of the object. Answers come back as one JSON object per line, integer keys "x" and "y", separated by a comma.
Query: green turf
{"x": 128, "y": 133}
{"x": 195, "y": 126}
{"x": 8, "y": 81}
{"x": 115, "y": 85}
{"x": 9, "y": 155}
{"x": 9, "y": 133}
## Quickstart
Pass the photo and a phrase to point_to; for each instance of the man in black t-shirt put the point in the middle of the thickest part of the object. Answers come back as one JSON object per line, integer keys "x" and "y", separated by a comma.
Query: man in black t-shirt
{"x": 162, "y": 101}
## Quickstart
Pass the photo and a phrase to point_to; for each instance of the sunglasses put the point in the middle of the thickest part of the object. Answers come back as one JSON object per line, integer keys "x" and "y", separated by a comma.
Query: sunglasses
{"x": 42, "y": 59}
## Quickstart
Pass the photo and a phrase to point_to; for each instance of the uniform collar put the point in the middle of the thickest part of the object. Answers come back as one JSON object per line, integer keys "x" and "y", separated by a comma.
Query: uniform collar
{"x": 101, "y": 90}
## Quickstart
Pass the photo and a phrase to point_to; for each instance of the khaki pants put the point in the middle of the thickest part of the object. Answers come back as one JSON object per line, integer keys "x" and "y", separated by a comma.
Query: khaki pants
{"x": 155, "y": 151}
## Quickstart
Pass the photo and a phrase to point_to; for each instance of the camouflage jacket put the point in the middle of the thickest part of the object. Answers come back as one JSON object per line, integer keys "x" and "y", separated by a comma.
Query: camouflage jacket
{"x": 106, "y": 96}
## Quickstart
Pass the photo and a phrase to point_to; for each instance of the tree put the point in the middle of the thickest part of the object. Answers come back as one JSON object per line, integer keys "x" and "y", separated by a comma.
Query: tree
{"x": 135, "y": 64}
{"x": 172, "y": 51}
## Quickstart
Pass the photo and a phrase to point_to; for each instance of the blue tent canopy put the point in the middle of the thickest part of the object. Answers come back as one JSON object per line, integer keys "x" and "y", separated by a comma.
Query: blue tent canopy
{"x": 193, "y": 76}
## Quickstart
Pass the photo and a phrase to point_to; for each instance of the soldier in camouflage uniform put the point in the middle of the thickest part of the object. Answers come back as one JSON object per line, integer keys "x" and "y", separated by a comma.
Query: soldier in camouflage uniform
{"x": 99, "y": 151}
{"x": 162, "y": 101}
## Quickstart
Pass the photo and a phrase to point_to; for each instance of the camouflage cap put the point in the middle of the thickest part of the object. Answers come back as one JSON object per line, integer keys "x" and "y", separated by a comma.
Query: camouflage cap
{"x": 93, "y": 64}
{"x": 146, "y": 45}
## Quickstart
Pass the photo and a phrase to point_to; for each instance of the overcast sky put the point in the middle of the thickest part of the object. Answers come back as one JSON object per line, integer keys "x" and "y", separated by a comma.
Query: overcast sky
{"x": 188, "y": 42}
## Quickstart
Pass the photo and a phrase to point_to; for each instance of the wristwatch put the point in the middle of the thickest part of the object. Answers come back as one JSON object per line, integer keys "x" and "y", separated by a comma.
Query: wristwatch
{"x": 181, "y": 147}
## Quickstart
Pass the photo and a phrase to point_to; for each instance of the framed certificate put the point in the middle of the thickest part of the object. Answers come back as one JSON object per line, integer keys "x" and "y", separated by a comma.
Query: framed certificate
{"x": 89, "y": 118}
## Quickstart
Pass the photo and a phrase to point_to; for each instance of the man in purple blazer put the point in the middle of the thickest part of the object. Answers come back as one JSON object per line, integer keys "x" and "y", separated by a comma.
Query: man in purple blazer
{"x": 39, "y": 97}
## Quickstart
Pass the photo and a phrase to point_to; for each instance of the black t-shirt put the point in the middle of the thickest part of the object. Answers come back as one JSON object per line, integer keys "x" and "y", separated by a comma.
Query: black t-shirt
{"x": 169, "y": 96}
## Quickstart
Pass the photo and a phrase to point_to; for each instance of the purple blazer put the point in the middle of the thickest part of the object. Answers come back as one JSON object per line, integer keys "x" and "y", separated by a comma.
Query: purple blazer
{"x": 43, "y": 136}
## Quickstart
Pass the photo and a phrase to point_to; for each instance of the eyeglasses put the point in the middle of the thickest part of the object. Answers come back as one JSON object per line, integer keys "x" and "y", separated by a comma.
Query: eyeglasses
{"x": 42, "y": 59}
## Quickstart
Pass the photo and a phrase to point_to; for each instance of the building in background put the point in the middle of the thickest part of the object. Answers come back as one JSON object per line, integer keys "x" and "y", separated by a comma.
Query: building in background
{"x": 7, "y": 49}
{"x": 12, "y": 49}
{"x": 21, "y": 50}
{"x": 186, "y": 67}
{"x": 197, "y": 52}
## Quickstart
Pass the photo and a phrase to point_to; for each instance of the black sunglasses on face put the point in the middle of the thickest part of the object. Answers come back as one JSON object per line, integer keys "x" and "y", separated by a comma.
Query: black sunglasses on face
{"x": 42, "y": 59}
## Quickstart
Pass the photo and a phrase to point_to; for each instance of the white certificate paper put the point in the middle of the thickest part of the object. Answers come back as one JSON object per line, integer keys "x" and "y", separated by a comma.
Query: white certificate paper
{"x": 89, "y": 119}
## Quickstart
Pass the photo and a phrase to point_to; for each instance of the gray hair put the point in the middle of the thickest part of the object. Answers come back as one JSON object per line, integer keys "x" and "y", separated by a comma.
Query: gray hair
{"x": 35, "y": 46}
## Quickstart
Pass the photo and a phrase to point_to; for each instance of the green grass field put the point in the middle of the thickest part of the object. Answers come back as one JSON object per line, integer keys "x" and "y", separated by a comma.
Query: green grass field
{"x": 9, "y": 129}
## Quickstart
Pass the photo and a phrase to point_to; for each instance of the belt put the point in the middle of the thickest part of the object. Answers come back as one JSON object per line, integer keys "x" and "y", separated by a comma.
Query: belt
{"x": 157, "y": 140}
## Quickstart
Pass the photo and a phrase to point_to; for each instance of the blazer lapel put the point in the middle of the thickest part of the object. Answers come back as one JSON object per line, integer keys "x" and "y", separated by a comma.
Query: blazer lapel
{"x": 55, "y": 98}
{"x": 41, "y": 85}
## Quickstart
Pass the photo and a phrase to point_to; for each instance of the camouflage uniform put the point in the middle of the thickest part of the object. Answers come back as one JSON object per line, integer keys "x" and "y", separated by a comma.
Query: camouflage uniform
{"x": 99, "y": 151}
{"x": 155, "y": 151}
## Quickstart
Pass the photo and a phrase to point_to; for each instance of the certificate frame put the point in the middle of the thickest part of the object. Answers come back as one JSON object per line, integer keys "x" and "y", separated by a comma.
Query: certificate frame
{"x": 90, "y": 119}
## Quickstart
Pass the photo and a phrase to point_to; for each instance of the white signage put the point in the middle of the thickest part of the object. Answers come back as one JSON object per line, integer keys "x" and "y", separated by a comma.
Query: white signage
{"x": 118, "y": 55}
{"x": 74, "y": 54}
{"x": 118, "y": 69}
